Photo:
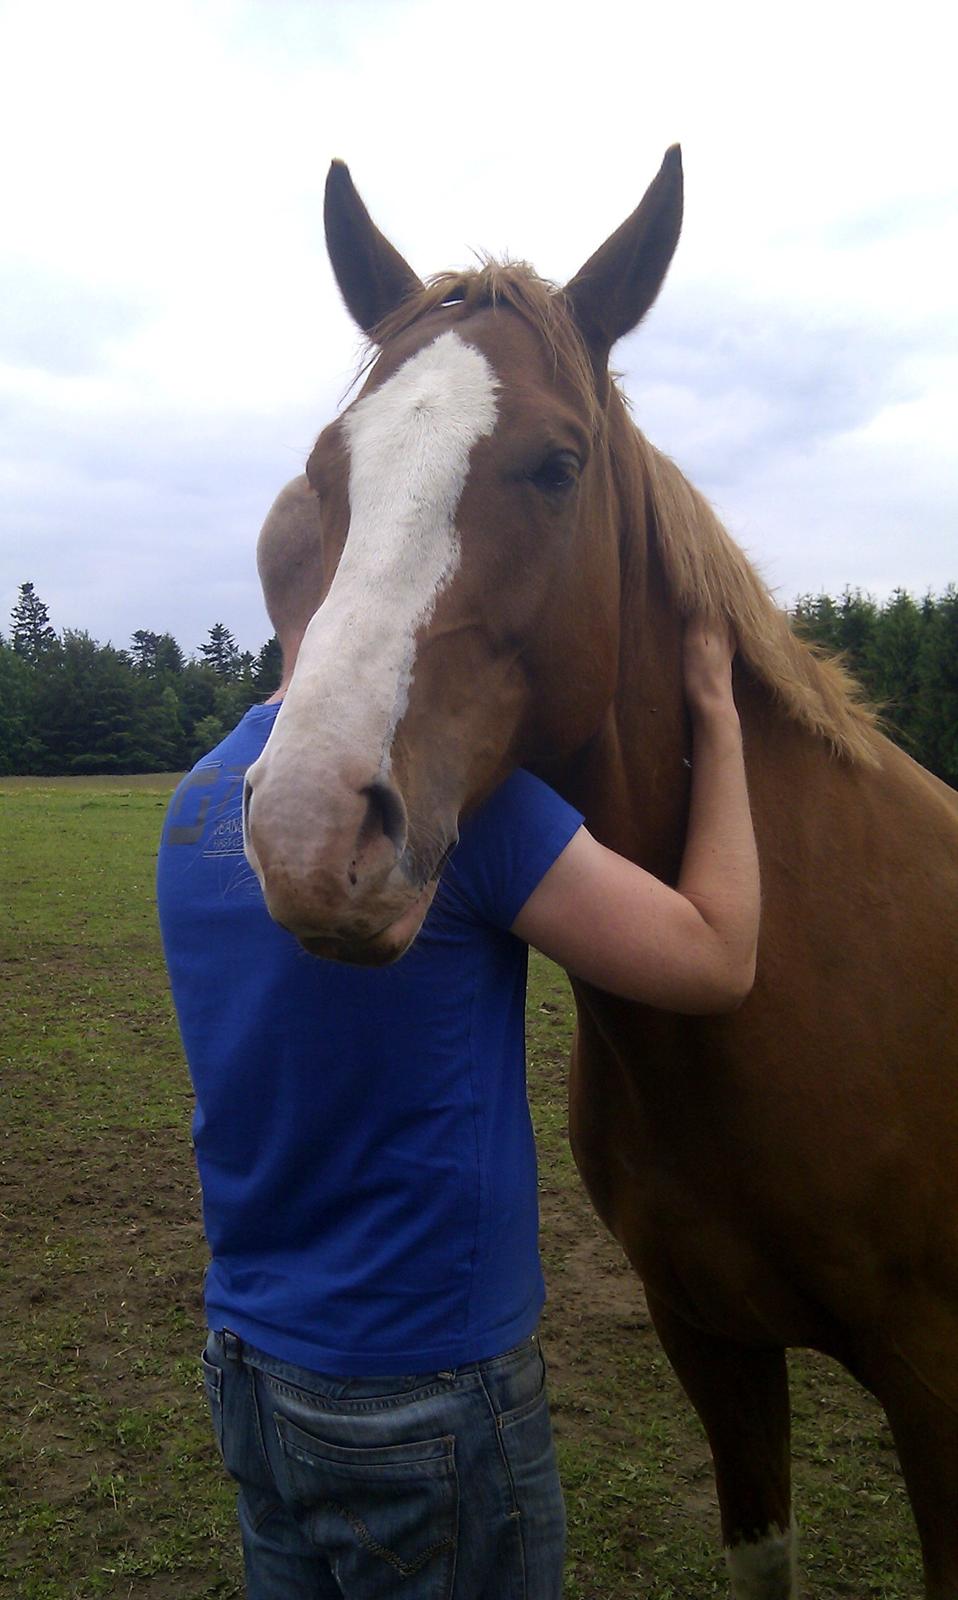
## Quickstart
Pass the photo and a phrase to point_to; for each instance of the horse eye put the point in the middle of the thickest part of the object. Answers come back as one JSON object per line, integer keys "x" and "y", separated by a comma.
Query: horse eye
{"x": 558, "y": 473}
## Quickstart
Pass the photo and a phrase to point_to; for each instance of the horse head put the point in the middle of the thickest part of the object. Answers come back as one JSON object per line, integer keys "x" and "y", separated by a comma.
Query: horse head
{"x": 467, "y": 502}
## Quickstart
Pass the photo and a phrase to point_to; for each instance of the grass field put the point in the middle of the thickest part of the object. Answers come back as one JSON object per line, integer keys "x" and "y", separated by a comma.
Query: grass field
{"x": 109, "y": 1479}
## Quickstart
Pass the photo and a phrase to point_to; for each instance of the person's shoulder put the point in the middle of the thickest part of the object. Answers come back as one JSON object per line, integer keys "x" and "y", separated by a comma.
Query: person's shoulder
{"x": 520, "y": 799}
{"x": 244, "y": 742}
{"x": 508, "y": 843}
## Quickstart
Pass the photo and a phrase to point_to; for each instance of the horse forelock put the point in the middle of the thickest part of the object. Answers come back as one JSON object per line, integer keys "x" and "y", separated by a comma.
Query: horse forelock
{"x": 518, "y": 286}
{"x": 709, "y": 573}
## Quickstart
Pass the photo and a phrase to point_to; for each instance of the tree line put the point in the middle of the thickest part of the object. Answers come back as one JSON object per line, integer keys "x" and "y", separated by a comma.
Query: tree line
{"x": 71, "y": 705}
{"x": 905, "y": 655}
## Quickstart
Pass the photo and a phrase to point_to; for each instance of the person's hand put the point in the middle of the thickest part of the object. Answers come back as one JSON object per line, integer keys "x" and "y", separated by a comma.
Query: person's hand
{"x": 708, "y": 649}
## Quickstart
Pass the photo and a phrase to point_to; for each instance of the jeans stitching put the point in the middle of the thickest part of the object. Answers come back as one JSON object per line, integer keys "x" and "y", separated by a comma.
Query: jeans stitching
{"x": 515, "y": 1514}
{"x": 213, "y": 1389}
{"x": 364, "y": 1535}
{"x": 324, "y": 1452}
{"x": 370, "y": 1543}
{"x": 351, "y": 1407}
{"x": 508, "y": 1419}
{"x": 264, "y": 1456}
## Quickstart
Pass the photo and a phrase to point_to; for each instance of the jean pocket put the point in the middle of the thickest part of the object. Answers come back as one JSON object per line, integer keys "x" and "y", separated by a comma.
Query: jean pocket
{"x": 213, "y": 1384}
{"x": 524, "y": 1390}
{"x": 383, "y": 1514}
{"x": 525, "y": 1432}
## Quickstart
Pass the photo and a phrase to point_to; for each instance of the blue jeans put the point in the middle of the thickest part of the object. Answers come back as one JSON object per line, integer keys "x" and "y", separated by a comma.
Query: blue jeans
{"x": 436, "y": 1487}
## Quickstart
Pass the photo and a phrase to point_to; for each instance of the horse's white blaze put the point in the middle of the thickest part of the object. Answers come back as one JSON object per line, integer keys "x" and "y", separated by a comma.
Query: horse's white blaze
{"x": 409, "y": 444}
{"x": 765, "y": 1569}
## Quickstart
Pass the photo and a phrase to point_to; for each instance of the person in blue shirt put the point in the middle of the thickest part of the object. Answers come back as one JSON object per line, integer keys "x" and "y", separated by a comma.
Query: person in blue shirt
{"x": 366, "y": 1153}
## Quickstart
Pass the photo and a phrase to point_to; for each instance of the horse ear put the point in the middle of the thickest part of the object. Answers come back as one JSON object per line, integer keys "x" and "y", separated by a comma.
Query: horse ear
{"x": 618, "y": 284}
{"x": 373, "y": 277}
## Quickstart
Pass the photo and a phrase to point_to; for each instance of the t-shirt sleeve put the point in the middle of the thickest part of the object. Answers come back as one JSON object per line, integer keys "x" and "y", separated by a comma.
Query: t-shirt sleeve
{"x": 507, "y": 846}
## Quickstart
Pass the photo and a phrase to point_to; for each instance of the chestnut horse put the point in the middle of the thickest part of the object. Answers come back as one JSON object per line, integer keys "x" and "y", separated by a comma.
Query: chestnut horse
{"x": 508, "y": 566}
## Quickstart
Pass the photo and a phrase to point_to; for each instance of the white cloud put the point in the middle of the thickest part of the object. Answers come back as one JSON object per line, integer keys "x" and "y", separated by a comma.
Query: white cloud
{"x": 172, "y": 338}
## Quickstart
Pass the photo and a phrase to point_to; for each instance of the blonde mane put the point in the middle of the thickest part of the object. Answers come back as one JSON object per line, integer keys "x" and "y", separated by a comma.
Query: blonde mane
{"x": 705, "y": 568}
{"x": 708, "y": 573}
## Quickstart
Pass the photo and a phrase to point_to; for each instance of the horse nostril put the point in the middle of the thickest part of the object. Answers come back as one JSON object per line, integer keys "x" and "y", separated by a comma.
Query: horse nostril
{"x": 385, "y": 814}
{"x": 247, "y": 799}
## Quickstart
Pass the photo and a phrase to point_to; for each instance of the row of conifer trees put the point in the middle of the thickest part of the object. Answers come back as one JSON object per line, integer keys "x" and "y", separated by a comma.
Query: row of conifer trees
{"x": 905, "y": 655}
{"x": 71, "y": 705}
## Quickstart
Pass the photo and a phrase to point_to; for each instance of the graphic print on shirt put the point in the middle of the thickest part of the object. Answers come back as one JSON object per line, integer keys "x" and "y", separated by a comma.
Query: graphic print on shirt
{"x": 193, "y": 813}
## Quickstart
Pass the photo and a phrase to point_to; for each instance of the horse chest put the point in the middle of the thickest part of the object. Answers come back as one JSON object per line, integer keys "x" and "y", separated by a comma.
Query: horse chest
{"x": 692, "y": 1176}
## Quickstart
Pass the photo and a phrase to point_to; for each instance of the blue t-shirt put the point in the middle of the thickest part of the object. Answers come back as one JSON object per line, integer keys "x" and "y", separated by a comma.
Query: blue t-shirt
{"x": 362, "y": 1135}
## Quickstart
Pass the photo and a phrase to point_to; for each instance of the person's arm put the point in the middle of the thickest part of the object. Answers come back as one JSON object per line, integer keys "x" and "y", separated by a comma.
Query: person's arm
{"x": 691, "y": 948}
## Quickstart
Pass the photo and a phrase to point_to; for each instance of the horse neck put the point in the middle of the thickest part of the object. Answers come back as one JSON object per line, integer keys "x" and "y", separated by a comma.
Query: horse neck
{"x": 632, "y": 781}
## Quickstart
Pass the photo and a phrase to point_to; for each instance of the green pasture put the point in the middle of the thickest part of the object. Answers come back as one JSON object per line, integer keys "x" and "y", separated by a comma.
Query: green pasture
{"x": 109, "y": 1481}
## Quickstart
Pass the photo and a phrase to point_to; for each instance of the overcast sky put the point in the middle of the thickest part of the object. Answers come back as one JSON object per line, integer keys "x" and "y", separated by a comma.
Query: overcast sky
{"x": 171, "y": 339}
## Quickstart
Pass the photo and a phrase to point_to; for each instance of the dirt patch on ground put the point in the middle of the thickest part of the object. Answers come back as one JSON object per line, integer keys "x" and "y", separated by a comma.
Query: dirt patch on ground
{"x": 100, "y": 1305}
{"x": 103, "y": 1294}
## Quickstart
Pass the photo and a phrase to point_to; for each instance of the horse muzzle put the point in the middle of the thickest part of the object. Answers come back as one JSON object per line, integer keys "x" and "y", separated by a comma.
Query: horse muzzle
{"x": 338, "y": 869}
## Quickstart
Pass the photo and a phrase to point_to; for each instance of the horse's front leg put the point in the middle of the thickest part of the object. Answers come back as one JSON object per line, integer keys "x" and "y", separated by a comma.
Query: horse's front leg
{"x": 741, "y": 1396}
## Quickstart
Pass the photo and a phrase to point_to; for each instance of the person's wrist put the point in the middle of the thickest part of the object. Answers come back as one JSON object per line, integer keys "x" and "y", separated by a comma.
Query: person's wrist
{"x": 715, "y": 715}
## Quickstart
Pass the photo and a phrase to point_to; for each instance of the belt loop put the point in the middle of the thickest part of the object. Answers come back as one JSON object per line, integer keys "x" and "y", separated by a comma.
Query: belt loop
{"x": 232, "y": 1346}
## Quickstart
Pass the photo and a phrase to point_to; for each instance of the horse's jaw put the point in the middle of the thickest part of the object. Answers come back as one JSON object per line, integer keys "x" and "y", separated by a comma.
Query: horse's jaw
{"x": 380, "y": 949}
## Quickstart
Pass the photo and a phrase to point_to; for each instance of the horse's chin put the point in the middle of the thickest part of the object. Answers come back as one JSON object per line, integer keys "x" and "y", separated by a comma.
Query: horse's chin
{"x": 379, "y": 949}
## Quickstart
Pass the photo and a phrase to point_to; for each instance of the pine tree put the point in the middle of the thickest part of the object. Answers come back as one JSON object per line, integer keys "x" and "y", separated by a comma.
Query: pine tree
{"x": 891, "y": 666}
{"x": 196, "y": 689}
{"x": 17, "y": 753}
{"x": 31, "y": 635}
{"x": 817, "y": 618}
{"x": 937, "y": 714}
{"x": 220, "y": 651}
{"x": 143, "y": 648}
{"x": 169, "y": 656}
{"x": 268, "y": 667}
{"x": 857, "y": 621}
{"x": 84, "y": 705}
{"x": 156, "y": 737}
